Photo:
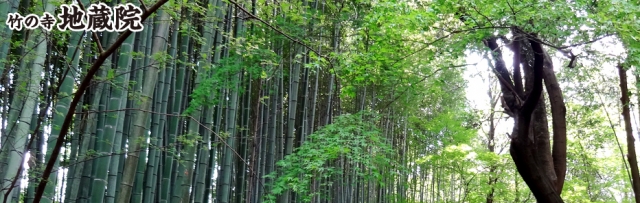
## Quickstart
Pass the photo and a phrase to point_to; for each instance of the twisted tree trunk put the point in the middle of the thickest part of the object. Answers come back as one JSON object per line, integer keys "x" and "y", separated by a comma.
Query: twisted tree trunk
{"x": 530, "y": 147}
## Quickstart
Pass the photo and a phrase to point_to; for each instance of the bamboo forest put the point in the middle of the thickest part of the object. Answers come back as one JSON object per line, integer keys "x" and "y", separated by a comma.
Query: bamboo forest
{"x": 319, "y": 101}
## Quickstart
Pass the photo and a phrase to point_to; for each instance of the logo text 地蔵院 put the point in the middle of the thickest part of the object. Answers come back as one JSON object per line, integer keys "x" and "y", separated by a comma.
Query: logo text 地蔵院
{"x": 97, "y": 18}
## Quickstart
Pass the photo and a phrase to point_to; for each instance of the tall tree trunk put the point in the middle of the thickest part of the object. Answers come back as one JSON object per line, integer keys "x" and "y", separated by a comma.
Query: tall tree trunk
{"x": 631, "y": 149}
{"x": 117, "y": 100}
{"x": 172, "y": 121}
{"x": 532, "y": 158}
{"x": 140, "y": 119}
{"x": 15, "y": 151}
{"x": 559, "y": 121}
{"x": 230, "y": 150}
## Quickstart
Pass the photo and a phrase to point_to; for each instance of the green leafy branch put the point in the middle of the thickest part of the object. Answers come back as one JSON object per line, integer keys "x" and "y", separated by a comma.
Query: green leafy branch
{"x": 352, "y": 137}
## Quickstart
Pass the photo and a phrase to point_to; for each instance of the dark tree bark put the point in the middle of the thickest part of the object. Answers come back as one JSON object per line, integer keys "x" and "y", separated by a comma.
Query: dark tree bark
{"x": 558, "y": 114}
{"x": 530, "y": 146}
{"x": 555, "y": 162}
{"x": 523, "y": 149}
{"x": 633, "y": 162}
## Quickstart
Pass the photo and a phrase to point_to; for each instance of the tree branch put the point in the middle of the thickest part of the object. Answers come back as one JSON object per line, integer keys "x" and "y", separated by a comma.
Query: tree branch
{"x": 538, "y": 73}
{"x": 252, "y": 16}
{"x": 502, "y": 73}
{"x": 93, "y": 34}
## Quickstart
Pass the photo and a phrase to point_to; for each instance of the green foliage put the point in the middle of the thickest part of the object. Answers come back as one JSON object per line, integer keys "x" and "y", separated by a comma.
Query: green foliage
{"x": 251, "y": 57}
{"x": 351, "y": 137}
{"x": 213, "y": 79}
